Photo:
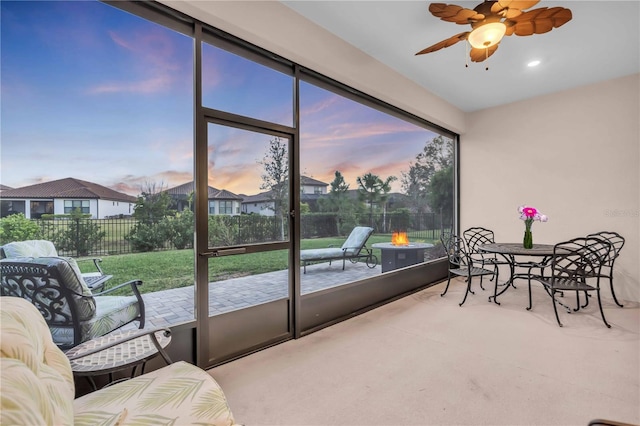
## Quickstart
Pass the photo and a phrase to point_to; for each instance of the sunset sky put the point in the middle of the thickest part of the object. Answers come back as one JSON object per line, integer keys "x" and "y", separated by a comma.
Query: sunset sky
{"x": 94, "y": 93}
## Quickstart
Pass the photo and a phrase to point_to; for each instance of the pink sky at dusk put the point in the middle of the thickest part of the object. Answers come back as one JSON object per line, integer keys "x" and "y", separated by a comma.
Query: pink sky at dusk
{"x": 115, "y": 107}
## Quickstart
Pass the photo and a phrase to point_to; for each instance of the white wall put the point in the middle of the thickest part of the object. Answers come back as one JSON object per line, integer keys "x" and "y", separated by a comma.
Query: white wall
{"x": 108, "y": 208}
{"x": 574, "y": 155}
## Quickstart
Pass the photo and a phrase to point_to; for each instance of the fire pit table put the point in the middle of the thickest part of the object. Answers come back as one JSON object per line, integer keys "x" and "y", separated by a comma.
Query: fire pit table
{"x": 399, "y": 256}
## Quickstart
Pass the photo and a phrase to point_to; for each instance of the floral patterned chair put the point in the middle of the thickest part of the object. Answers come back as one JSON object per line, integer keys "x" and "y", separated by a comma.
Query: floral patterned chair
{"x": 37, "y": 387}
{"x": 74, "y": 314}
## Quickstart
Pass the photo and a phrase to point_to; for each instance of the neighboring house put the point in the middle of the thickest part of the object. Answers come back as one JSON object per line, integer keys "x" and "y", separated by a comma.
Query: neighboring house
{"x": 221, "y": 201}
{"x": 262, "y": 203}
{"x": 311, "y": 190}
{"x": 3, "y": 187}
{"x": 311, "y": 186}
{"x": 63, "y": 196}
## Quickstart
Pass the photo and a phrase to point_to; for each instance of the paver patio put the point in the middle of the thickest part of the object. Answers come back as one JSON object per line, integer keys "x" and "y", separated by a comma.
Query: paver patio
{"x": 175, "y": 306}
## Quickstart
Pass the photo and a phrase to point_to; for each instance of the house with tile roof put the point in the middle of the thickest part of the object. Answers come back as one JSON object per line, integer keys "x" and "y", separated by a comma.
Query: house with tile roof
{"x": 62, "y": 196}
{"x": 310, "y": 191}
{"x": 311, "y": 186}
{"x": 261, "y": 204}
{"x": 221, "y": 201}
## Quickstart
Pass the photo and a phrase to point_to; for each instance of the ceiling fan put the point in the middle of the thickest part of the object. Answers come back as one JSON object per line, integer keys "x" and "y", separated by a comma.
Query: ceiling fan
{"x": 493, "y": 19}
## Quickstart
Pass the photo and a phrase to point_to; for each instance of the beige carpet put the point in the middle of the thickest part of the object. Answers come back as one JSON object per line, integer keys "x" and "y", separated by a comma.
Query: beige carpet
{"x": 423, "y": 360}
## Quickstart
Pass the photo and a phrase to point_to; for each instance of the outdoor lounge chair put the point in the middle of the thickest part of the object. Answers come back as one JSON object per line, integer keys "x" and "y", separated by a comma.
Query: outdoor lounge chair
{"x": 43, "y": 248}
{"x": 73, "y": 313}
{"x": 353, "y": 249}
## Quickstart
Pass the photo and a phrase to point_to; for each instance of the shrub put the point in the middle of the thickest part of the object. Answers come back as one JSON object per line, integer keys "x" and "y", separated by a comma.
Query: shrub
{"x": 180, "y": 229}
{"x": 17, "y": 227}
{"x": 81, "y": 236}
{"x": 147, "y": 236}
{"x": 223, "y": 231}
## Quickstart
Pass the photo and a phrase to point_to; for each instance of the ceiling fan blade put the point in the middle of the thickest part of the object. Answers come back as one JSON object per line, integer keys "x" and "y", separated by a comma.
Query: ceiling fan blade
{"x": 512, "y": 8}
{"x": 513, "y": 4}
{"x": 538, "y": 21}
{"x": 454, "y": 13}
{"x": 479, "y": 55}
{"x": 444, "y": 43}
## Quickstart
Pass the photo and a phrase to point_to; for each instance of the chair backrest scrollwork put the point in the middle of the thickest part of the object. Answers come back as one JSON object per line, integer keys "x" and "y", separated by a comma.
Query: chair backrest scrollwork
{"x": 51, "y": 285}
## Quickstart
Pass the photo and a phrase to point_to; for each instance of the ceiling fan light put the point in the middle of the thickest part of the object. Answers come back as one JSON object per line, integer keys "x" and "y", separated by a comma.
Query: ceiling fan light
{"x": 487, "y": 35}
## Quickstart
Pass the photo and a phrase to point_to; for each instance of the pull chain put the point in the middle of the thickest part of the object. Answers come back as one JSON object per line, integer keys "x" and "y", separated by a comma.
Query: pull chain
{"x": 486, "y": 57}
{"x": 466, "y": 54}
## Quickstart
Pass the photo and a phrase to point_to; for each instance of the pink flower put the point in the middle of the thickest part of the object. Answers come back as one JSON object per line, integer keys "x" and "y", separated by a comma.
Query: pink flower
{"x": 528, "y": 213}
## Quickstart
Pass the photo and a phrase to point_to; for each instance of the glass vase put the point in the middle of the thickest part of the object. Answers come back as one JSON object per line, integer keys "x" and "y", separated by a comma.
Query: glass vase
{"x": 527, "y": 242}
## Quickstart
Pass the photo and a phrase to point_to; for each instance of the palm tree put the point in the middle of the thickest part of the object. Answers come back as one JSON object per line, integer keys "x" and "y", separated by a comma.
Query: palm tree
{"x": 374, "y": 190}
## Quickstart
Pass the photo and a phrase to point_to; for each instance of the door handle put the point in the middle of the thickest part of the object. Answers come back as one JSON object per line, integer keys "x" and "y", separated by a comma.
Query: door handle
{"x": 224, "y": 252}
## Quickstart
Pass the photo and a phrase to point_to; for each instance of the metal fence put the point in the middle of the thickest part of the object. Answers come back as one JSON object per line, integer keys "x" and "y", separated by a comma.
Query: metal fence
{"x": 99, "y": 237}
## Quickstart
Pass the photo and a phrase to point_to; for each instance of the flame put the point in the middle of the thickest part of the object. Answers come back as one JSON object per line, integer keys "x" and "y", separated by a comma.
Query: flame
{"x": 399, "y": 239}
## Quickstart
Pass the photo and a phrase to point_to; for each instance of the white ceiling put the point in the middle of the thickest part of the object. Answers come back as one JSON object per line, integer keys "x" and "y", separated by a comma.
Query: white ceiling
{"x": 583, "y": 51}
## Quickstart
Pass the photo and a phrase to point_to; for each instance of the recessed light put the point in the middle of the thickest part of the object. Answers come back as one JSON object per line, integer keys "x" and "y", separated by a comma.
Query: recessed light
{"x": 533, "y": 63}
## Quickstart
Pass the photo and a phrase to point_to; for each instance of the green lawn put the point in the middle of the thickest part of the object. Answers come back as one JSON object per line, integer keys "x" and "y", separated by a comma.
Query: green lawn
{"x": 162, "y": 270}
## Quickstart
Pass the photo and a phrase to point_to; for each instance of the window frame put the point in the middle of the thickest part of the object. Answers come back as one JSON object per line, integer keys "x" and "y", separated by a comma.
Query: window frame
{"x": 82, "y": 207}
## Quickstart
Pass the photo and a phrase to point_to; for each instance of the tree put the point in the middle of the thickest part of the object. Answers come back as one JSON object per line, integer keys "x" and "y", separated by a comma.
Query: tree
{"x": 373, "y": 191}
{"x": 338, "y": 202}
{"x": 153, "y": 204}
{"x": 275, "y": 179}
{"x": 150, "y": 231}
{"x": 441, "y": 193}
{"x": 436, "y": 155}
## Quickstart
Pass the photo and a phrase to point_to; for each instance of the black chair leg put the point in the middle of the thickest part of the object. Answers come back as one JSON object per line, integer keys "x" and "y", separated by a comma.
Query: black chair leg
{"x": 495, "y": 290}
{"x": 481, "y": 277}
{"x": 586, "y": 302}
{"x": 555, "y": 309}
{"x": 613, "y": 293}
{"x": 601, "y": 311}
{"x": 577, "y": 308}
{"x": 466, "y": 293}
{"x": 447, "y": 287}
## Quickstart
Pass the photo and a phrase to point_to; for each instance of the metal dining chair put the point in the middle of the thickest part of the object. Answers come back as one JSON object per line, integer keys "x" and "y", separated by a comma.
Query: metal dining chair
{"x": 575, "y": 266}
{"x": 476, "y": 236}
{"x": 461, "y": 264}
{"x": 617, "y": 242}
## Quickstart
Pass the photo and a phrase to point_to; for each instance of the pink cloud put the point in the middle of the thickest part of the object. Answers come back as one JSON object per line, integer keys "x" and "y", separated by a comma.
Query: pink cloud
{"x": 319, "y": 106}
{"x": 134, "y": 185}
{"x": 153, "y": 85}
{"x": 238, "y": 181}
